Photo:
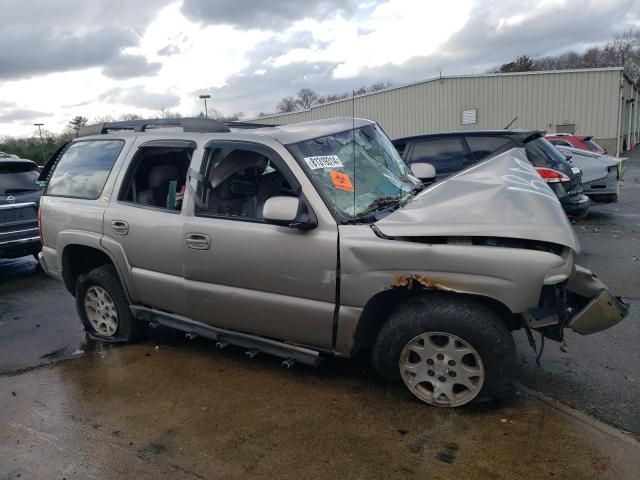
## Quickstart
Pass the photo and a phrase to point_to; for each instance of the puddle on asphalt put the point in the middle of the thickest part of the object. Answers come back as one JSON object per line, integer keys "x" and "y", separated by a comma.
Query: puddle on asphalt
{"x": 200, "y": 411}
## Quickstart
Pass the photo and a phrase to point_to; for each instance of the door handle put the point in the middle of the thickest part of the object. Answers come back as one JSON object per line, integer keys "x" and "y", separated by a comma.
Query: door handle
{"x": 197, "y": 241}
{"x": 120, "y": 227}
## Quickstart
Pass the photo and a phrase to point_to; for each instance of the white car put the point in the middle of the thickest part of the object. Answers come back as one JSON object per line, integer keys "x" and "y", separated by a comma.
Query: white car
{"x": 601, "y": 174}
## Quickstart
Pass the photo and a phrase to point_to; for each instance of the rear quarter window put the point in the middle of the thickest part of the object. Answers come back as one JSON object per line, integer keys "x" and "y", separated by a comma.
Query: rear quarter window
{"x": 83, "y": 169}
{"x": 482, "y": 147}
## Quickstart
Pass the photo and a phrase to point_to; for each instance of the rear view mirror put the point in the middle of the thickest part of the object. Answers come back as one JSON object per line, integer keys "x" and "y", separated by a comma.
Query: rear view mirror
{"x": 281, "y": 210}
{"x": 424, "y": 171}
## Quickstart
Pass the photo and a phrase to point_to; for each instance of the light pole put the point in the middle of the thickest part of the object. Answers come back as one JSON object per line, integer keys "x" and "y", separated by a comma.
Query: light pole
{"x": 39, "y": 125}
{"x": 204, "y": 97}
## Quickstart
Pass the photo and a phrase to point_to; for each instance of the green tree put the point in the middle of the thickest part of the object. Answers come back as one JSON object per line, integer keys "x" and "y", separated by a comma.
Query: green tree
{"x": 523, "y": 63}
{"x": 75, "y": 124}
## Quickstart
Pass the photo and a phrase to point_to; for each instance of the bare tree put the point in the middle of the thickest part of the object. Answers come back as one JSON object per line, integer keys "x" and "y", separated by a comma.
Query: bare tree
{"x": 287, "y": 104}
{"x": 307, "y": 98}
{"x": 622, "y": 51}
{"x": 165, "y": 113}
{"x": 103, "y": 119}
{"x": 130, "y": 116}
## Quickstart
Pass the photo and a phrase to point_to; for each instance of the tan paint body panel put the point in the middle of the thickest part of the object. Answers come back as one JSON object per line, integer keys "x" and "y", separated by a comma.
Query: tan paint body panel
{"x": 281, "y": 283}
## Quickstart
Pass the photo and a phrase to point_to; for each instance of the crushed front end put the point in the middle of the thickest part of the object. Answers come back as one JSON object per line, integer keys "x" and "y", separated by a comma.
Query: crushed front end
{"x": 582, "y": 303}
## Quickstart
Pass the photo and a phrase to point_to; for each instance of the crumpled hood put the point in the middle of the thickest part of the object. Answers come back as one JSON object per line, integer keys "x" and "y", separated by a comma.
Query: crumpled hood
{"x": 500, "y": 197}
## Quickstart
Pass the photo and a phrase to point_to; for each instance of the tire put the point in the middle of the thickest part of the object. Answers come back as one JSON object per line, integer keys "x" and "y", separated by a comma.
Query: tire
{"x": 418, "y": 332}
{"x": 103, "y": 307}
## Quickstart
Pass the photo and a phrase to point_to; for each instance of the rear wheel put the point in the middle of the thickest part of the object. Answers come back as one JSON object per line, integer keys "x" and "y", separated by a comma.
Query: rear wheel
{"x": 103, "y": 307}
{"x": 447, "y": 350}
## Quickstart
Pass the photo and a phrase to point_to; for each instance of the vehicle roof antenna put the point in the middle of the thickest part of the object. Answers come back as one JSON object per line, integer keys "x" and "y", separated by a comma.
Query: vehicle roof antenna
{"x": 353, "y": 146}
{"x": 511, "y": 123}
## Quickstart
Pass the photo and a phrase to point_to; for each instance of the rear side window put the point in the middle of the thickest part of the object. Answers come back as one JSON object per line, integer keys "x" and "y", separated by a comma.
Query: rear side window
{"x": 482, "y": 147}
{"x": 593, "y": 146}
{"x": 542, "y": 154}
{"x": 83, "y": 169}
{"x": 562, "y": 143}
{"x": 18, "y": 177}
{"x": 447, "y": 155}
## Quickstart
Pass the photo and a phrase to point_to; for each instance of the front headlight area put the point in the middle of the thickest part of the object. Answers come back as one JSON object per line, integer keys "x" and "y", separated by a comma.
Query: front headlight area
{"x": 563, "y": 272}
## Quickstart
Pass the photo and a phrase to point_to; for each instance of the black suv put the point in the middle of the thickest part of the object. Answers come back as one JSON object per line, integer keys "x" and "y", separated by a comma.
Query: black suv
{"x": 454, "y": 151}
{"x": 19, "y": 197}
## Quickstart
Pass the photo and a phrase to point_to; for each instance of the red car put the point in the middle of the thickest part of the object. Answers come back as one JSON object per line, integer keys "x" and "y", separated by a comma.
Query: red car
{"x": 575, "y": 141}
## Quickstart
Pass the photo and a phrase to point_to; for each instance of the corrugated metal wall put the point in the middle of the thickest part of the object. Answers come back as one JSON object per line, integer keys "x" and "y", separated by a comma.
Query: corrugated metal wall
{"x": 540, "y": 100}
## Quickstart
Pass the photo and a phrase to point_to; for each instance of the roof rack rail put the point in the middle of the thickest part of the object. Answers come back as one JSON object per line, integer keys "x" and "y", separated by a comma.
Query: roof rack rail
{"x": 247, "y": 125}
{"x": 195, "y": 125}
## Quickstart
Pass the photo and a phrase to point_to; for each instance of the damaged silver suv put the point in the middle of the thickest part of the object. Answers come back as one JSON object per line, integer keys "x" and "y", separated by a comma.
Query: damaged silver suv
{"x": 315, "y": 239}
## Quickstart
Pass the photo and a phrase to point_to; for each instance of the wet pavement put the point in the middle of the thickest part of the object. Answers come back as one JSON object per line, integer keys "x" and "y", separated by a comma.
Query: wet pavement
{"x": 185, "y": 410}
{"x": 188, "y": 411}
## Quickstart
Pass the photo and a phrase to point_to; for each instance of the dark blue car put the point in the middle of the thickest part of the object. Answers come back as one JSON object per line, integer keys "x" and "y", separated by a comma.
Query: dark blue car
{"x": 452, "y": 152}
{"x": 19, "y": 198}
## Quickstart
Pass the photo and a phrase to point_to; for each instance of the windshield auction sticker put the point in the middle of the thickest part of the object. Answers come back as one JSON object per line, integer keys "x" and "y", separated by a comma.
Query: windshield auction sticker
{"x": 341, "y": 181}
{"x": 323, "y": 161}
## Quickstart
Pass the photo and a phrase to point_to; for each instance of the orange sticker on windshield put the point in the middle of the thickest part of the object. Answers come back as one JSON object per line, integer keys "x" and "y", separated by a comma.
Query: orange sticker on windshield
{"x": 341, "y": 181}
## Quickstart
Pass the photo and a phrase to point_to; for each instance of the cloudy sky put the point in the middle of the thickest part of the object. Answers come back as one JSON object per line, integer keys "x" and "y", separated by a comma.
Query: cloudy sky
{"x": 62, "y": 58}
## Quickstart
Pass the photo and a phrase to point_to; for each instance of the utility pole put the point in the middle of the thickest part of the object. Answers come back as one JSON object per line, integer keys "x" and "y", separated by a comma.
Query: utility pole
{"x": 39, "y": 125}
{"x": 204, "y": 97}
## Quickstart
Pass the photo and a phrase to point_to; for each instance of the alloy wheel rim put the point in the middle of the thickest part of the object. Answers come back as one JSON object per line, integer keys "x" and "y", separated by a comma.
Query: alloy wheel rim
{"x": 442, "y": 369}
{"x": 101, "y": 311}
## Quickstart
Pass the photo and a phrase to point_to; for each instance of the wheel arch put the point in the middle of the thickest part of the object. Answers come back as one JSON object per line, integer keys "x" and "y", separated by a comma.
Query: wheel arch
{"x": 379, "y": 307}
{"x": 78, "y": 259}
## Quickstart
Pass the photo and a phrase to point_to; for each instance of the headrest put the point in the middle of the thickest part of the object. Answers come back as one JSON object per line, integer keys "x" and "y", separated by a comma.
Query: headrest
{"x": 161, "y": 174}
{"x": 237, "y": 161}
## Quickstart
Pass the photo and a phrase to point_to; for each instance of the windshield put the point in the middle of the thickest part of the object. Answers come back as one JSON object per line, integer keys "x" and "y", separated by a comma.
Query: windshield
{"x": 18, "y": 178}
{"x": 358, "y": 172}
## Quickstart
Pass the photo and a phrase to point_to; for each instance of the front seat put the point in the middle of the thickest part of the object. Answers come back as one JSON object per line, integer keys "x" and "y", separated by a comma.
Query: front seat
{"x": 159, "y": 178}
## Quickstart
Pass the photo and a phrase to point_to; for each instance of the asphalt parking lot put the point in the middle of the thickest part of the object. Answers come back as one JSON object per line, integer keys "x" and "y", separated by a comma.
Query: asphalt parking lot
{"x": 180, "y": 409}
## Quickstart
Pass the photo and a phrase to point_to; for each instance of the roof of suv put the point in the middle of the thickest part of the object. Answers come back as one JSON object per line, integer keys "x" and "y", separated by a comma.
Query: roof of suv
{"x": 284, "y": 134}
{"x": 519, "y": 135}
{"x": 299, "y": 132}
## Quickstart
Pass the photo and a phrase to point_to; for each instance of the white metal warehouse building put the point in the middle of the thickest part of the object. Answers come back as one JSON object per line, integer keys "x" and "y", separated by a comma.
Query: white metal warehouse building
{"x": 601, "y": 102}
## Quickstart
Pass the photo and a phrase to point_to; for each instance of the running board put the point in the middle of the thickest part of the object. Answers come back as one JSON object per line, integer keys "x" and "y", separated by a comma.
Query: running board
{"x": 194, "y": 328}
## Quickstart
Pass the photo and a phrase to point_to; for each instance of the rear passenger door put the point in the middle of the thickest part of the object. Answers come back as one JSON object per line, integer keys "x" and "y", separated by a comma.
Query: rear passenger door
{"x": 448, "y": 155}
{"x": 244, "y": 274}
{"x": 144, "y": 225}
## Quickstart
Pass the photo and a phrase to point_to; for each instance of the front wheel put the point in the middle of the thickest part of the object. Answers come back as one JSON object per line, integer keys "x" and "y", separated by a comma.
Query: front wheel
{"x": 447, "y": 350}
{"x": 103, "y": 306}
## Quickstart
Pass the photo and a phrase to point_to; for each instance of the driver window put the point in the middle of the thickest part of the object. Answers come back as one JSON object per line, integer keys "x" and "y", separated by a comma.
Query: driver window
{"x": 236, "y": 183}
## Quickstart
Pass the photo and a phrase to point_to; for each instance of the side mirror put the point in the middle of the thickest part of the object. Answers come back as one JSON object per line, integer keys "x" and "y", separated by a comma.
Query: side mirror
{"x": 285, "y": 211}
{"x": 424, "y": 171}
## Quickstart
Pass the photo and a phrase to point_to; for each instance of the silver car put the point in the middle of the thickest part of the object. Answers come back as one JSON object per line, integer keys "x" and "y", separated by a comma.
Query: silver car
{"x": 313, "y": 240}
{"x": 601, "y": 174}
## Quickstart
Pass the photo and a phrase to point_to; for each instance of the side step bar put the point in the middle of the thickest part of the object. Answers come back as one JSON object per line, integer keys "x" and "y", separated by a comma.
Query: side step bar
{"x": 194, "y": 328}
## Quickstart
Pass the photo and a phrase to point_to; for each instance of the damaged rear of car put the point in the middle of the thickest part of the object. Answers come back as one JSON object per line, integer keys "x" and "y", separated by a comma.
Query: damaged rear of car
{"x": 601, "y": 174}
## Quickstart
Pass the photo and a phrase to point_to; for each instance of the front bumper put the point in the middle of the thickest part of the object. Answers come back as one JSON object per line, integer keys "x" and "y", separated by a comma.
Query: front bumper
{"x": 596, "y": 308}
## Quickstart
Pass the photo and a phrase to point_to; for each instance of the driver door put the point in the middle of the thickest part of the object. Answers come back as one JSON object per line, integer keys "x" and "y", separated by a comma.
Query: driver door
{"x": 244, "y": 274}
